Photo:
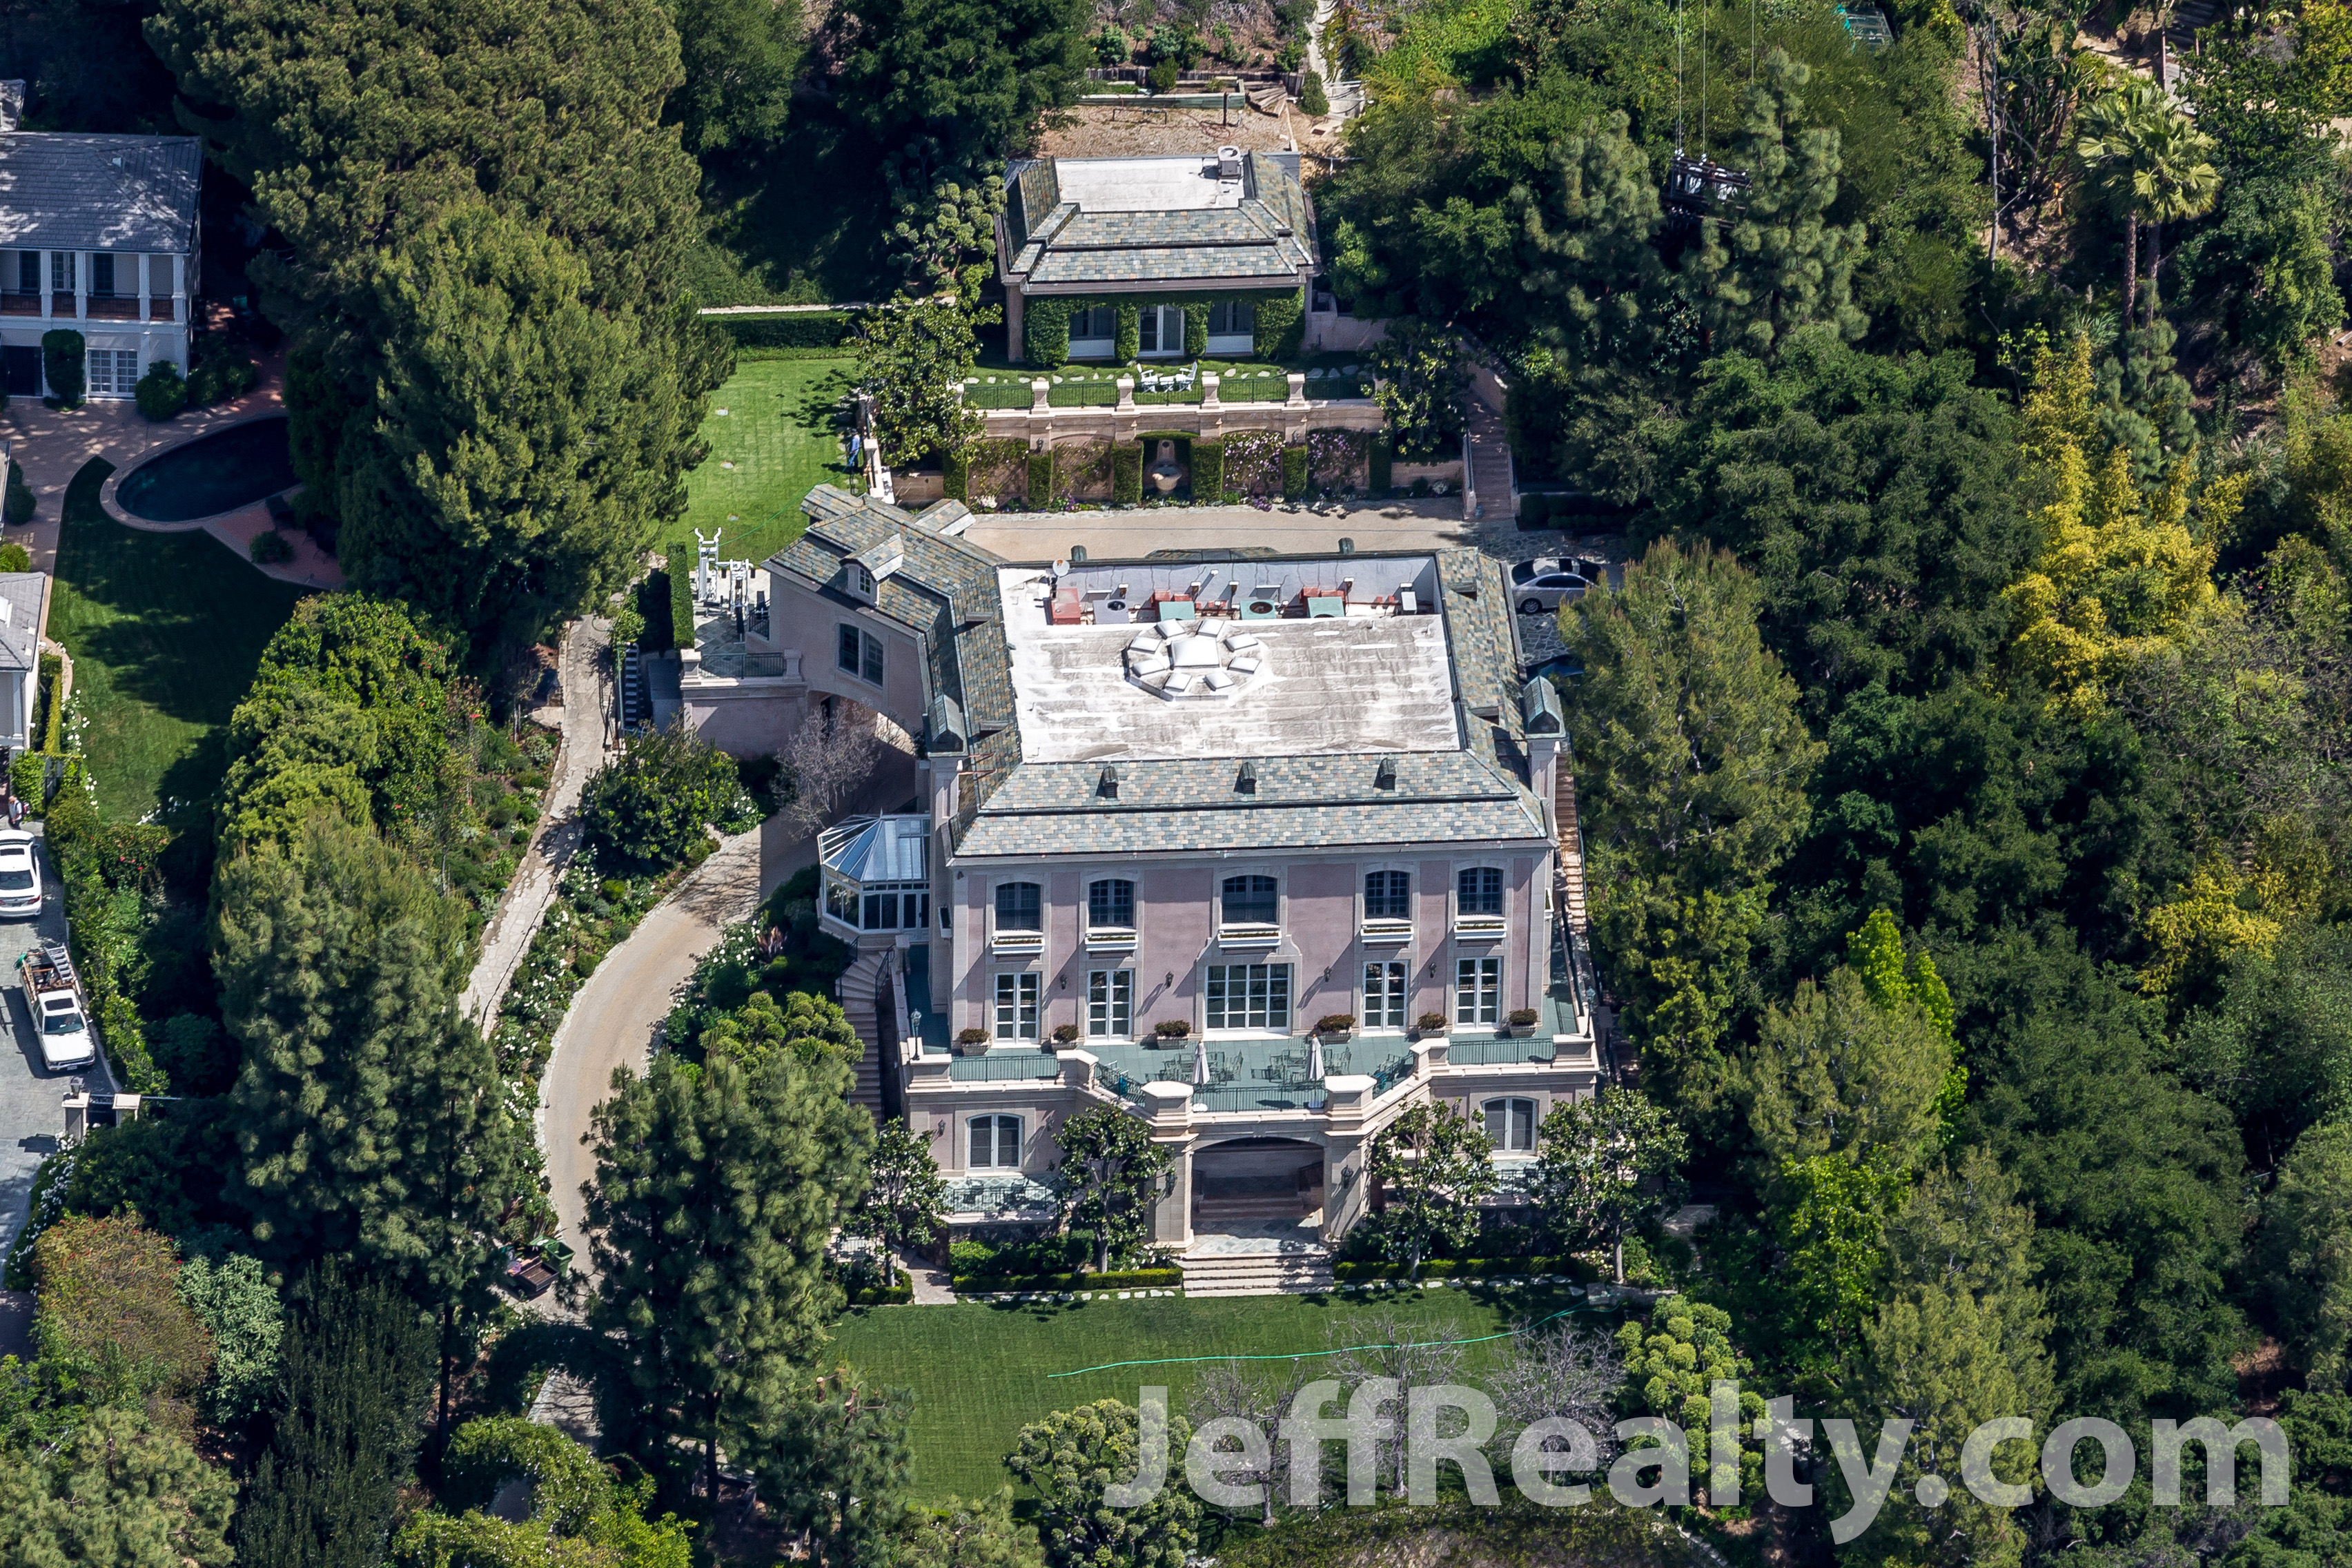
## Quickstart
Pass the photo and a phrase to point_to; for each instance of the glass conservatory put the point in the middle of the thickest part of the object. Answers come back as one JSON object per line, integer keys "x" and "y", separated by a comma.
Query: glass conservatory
{"x": 878, "y": 874}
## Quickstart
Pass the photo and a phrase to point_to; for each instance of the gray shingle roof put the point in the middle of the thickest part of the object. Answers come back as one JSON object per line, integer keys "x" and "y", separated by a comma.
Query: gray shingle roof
{"x": 1268, "y": 238}
{"x": 61, "y": 190}
{"x": 20, "y": 633}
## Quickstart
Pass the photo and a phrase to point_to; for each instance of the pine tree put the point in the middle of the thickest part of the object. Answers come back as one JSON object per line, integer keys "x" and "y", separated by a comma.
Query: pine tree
{"x": 960, "y": 1534}
{"x": 974, "y": 73}
{"x": 372, "y": 1119}
{"x": 1070, "y": 1456}
{"x": 1838, "y": 1072}
{"x": 2308, "y": 1253}
{"x": 1594, "y": 252}
{"x": 717, "y": 1189}
{"x": 833, "y": 1462}
{"x": 1776, "y": 265}
{"x": 115, "y": 1490}
{"x": 344, "y": 1420}
{"x": 738, "y": 59}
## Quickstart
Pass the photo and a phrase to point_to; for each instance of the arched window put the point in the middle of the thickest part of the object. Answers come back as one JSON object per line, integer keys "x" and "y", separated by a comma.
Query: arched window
{"x": 1510, "y": 1123}
{"x": 1250, "y": 901}
{"x": 1110, "y": 904}
{"x": 1479, "y": 890}
{"x": 995, "y": 1144}
{"x": 1388, "y": 896}
{"x": 1017, "y": 907}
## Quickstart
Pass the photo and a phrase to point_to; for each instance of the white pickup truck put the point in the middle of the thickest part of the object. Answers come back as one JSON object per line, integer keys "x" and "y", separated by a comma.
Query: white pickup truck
{"x": 61, "y": 1015}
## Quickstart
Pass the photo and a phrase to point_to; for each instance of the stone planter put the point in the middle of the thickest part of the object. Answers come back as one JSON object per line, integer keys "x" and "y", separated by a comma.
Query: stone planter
{"x": 1335, "y": 1036}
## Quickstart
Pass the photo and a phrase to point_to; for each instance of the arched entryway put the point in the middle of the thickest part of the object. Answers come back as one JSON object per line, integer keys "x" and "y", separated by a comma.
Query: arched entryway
{"x": 1257, "y": 1184}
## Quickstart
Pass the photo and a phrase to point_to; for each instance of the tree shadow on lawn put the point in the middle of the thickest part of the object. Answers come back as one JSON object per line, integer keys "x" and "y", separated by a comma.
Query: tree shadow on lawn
{"x": 825, "y": 409}
{"x": 188, "y": 620}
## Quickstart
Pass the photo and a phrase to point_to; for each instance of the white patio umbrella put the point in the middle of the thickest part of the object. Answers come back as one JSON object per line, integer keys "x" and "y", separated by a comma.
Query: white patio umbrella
{"x": 1315, "y": 1058}
{"x": 1200, "y": 1063}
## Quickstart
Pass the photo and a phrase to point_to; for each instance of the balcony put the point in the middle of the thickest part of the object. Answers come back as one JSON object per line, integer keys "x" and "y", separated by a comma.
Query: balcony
{"x": 20, "y": 304}
{"x": 113, "y": 307}
{"x": 1249, "y": 934}
{"x": 1111, "y": 938}
{"x": 1480, "y": 927}
{"x": 1384, "y": 929}
{"x": 162, "y": 309}
{"x": 61, "y": 303}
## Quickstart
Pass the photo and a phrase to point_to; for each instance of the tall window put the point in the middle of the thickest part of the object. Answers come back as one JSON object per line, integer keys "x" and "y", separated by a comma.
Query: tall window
{"x": 1095, "y": 323}
{"x": 61, "y": 271}
{"x": 1017, "y": 907}
{"x": 1110, "y": 903}
{"x": 1388, "y": 896}
{"x": 1249, "y": 996}
{"x": 895, "y": 911}
{"x": 1384, "y": 996}
{"x": 995, "y": 1144}
{"x": 1017, "y": 1006}
{"x": 102, "y": 275}
{"x": 159, "y": 277}
{"x": 1510, "y": 1123}
{"x": 1481, "y": 891}
{"x": 28, "y": 273}
{"x": 1110, "y": 1004}
{"x": 1477, "y": 990}
{"x": 860, "y": 653}
{"x": 111, "y": 373}
{"x": 1249, "y": 902}
{"x": 1232, "y": 317}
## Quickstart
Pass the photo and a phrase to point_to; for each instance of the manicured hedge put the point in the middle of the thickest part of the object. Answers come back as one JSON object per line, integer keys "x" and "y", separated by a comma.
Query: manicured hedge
{"x": 1294, "y": 473}
{"x": 1126, "y": 475}
{"x": 1208, "y": 471}
{"x": 1116, "y": 1279}
{"x": 1463, "y": 1268}
{"x": 955, "y": 475}
{"x": 1041, "y": 478}
{"x": 799, "y": 330}
{"x": 898, "y": 1295}
{"x": 682, "y": 596}
{"x": 1382, "y": 464}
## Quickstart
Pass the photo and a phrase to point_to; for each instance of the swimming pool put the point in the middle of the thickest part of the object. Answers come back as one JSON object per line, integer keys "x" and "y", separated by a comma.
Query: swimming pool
{"x": 211, "y": 475}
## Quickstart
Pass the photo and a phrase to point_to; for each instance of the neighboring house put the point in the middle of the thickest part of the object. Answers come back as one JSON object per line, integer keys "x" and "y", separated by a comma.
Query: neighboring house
{"x": 98, "y": 234}
{"x": 1200, "y": 254}
{"x": 1239, "y": 796}
{"x": 20, "y": 655}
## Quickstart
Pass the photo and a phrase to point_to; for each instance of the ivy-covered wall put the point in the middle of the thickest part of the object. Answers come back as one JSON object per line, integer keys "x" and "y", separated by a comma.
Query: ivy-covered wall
{"x": 1279, "y": 316}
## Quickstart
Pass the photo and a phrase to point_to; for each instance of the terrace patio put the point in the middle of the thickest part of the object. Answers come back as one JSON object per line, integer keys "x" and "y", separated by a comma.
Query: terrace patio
{"x": 1081, "y": 385}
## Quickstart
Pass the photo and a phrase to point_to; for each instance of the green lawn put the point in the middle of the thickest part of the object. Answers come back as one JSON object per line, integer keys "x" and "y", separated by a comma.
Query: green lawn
{"x": 165, "y": 630}
{"x": 980, "y": 1372}
{"x": 779, "y": 434}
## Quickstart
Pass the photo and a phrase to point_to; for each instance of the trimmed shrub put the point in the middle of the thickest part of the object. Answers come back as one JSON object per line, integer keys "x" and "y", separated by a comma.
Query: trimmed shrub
{"x": 1312, "y": 99}
{"x": 1114, "y": 1279}
{"x": 162, "y": 392}
{"x": 220, "y": 373}
{"x": 1294, "y": 472}
{"x": 1065, "y": 1034}
{"x": 682, "y": 596}
{"x": 648, "y": 807}
{"x": 53, "y": 713}
{"x": 1041, "y": 478}
{"x": 1196, "y": 329}
{"x": 1127, "y": 332}
{"x": 1208, "y": 471}
{"x": 16, "y": 558}
{"x": 63, "y": 364}
{"x": 799, "y": 329}
{"x": 1382, "y": 465}
{"x": 270, "y": 549}
{"x": 1464, "y": 1268}
{"x": 1279, "y": 325}
{"x": 896, "y": 1295}
{"x": 1126, "y": 475}
{"x": 20, "y": 502}
{"x": 955, "y": 475}
{"x": 1162, "y": 78}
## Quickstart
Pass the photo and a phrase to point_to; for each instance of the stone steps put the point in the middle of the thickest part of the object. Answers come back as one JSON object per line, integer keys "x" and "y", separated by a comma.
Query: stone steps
{"x": 861, "y": 986}
{"x": 1259, "y": 1274}
{"x": 1570, "y": 850}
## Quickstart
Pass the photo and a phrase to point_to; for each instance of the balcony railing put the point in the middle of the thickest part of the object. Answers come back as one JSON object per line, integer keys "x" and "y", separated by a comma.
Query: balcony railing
{"x": 1005, "y": 941}
{"x": 162, "y": 311}
{"x": 1385, "y": 930}
{"x": 1248, "y": 933}
{"x": 1480, "y": 927}
{"x": 1004, "y": 1067}
{"x": 1111, "y": 938}
{"x": 1498, "y": 1050}
{"x": 20, "y": 304}
{"x": 114, "y": 306}
{"x": 61, "y": 303}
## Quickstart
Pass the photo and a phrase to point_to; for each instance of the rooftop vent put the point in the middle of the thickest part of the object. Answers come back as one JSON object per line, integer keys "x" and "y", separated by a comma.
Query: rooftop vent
{"x": 1107, "y": 787}
{"x": 1229, "y": 163}
{"x": 1384, "y": 777}
{"x": 1245, "y": 780}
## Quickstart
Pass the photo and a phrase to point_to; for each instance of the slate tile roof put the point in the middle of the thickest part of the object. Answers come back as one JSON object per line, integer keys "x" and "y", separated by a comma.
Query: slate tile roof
{"x": 947, "y": 591}
{"x": 20, "y": 633}
{"x": 1267, "y": 239}
{"x": 63, "y": 190}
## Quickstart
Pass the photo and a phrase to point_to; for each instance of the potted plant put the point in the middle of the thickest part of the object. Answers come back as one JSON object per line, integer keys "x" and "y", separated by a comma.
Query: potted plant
{"x": 1065, "y": 1034}
{"x": 971, "y": 1042}
{"x": 1521, "y": 1023}
{"x": 1335, "y": 1028}
{"x": 1170, "y": 1030}
{"x": 1429, "y": 1026}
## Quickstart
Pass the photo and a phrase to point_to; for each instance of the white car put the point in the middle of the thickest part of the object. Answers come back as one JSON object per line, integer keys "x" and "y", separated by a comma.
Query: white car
{"x": 20, "y": 875}
{"x": 1537, "y": 587}
{"x": 66, "y": 1042}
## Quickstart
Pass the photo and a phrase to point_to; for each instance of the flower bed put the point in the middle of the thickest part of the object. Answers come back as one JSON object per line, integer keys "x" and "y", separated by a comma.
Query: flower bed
{"x": 1339, "y": 459}
{"x": 1254, "y": 462}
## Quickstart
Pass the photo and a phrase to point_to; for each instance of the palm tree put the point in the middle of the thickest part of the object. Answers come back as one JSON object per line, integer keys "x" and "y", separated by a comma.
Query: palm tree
{"x": 2174, "y": 182}
{"x": 2116, "y": 129}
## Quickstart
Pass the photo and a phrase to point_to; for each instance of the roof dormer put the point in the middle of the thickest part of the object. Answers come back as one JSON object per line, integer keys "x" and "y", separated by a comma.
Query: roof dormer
{"x": 863, "y": 573}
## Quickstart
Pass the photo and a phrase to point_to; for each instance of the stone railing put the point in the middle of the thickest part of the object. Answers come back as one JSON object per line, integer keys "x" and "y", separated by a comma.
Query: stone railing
{"x": 1043, "y": 425}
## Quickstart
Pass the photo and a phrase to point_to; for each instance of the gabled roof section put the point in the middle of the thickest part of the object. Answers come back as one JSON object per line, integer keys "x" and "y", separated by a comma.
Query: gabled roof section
{"x": 1079, "y": 221}
{"x": 20, "y": 619}
{"x": 65, "y": 191}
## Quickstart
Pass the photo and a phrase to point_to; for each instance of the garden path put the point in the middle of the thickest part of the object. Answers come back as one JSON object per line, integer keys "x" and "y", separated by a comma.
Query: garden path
{"x": 587, "y": 733}
{"x": 613, "y": 1019}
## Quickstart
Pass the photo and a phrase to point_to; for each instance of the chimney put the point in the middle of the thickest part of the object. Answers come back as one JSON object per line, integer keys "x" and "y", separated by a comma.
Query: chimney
{"x": 12, "y": 104}
{"x": 1229, "y": 163}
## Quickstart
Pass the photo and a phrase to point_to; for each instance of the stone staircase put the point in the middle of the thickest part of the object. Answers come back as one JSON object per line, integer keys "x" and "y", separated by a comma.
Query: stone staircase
{"x": 861, "y": 992}
{"x": 2181, "y": 34}
{"x": 1259, "y": 1274}
{"x": 1487, "y": 461}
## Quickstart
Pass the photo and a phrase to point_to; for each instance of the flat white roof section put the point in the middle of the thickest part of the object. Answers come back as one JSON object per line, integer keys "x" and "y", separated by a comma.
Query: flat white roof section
{"x": 1363, "y": 683}
{"x": 1182, "y": 184}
